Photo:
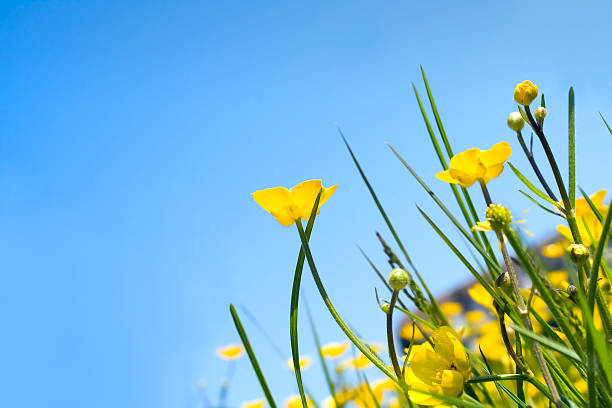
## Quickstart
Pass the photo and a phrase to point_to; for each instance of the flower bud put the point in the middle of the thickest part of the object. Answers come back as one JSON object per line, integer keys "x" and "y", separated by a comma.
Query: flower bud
{"x": 539, "y": 113}
{"x": 385, "y": 307}
{"x": 499, "y": 217}
{"x": 525, "y": 93}
{"x": 503, "y": 282}
{"x": 515, "y": 121}
{"x": 398, "y": 279}
{"x": 578, "y": 253}
{"x": 572, "y": 292}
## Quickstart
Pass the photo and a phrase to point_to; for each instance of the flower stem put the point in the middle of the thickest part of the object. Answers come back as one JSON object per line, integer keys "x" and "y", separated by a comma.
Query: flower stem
{"x": 535, "y": 167}
{"x": 522, "y": 308}
{"x": 390, "y": 342}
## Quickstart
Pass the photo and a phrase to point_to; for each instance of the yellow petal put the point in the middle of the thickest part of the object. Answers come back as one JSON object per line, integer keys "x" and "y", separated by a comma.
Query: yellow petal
{"x": 277, "y": 201}
{"x": 493, "y": 172}
{"x": 305, "y": 194}
{"x": 555, "y": 250}
{"x": 334, "y": 350}
{"x": 452, "y": 383}
{"x": 230, "y": 352}
{"x": 447, "y": 176}
{"x": 467, "y": 161}
{"x": 258, "y": 403}
{"x": 497, "y": 154}
{"x": 450, "y": 308}
{"x": 305, "y": 362}
{"x": 475, "y": 316}
{"x": 420, "y": 398}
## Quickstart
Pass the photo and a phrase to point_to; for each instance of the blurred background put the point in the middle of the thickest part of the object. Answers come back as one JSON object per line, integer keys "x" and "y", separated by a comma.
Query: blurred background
{"x": 132, "y": 134}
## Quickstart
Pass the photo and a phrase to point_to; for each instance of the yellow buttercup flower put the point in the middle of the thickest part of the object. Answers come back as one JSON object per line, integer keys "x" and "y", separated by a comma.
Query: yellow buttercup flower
{"x": 441, "y": 369}
{"x": 451, "y": 308}
{"x": 305, "y": 362}
{"x": 294, "y": 401}
{"x": 258, "y": 403}
{"x": 588, "y": 223}
{"x": 474, "y": 165}
{"x": 554, "y": 250}
{"x": 230, "y": 352}
{"x": 287, "y": 206}
{"x": 525, "y": 93}
{"x": 334, "y": 350}
{"x": 359, "y": 363}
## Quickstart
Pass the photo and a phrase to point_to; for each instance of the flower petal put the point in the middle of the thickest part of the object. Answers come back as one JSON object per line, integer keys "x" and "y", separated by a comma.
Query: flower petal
{"x": 466, "y": 161}
{"x": 497, "y": 154}
{"x": 452, "y": 383}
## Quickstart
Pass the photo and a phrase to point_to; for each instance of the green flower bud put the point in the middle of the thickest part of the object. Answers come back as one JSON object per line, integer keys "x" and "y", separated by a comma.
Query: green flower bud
{"x": 398, "y": 279}
{"x": 385, "y": 307}
{"x": 578, "y": 253}
{"x": 499, "y": 217}
{"x": 503, "y": 282}
{"x": 539, "y": 113}
{"x": 516, "y": 121}
{"x": 572, "y": 292}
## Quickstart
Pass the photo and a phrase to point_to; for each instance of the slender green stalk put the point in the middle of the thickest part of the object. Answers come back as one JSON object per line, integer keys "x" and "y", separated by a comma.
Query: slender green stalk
{"x": 522, "y": 309}
{"x": 571, "y": 147}
{"x": 252, "y": 358}
{"x": 390, "y": 341}
{"x": 295, "y": 295}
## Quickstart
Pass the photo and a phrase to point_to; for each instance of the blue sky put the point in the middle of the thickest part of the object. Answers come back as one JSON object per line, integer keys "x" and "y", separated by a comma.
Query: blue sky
{"x": 134, "y": 132}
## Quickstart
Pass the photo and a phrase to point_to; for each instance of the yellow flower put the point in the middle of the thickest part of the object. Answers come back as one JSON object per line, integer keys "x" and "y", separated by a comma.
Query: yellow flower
{"x": 358, "y": 363}
{"x": 554, "y": 250}
{"x": 305, "y": 362}
{"x": 406, "y": 332}
{"x": 287, "y": 206}
{"x": 443, "y": 369}
{"x": 525, "y": 93}
{"x": 475, "y": 316}
{"x": 588, "y": 223}
{"x": 482, "y": 296}
{"x": 258, "y": 403}
{"x": 334, "y": 350}
{"x": 450, "y": 308}
{"x": 230, "y": 352}
{"x": 474, "y": 164}
{"x": 558, "y": 279}
{"x": 294, "y": 401}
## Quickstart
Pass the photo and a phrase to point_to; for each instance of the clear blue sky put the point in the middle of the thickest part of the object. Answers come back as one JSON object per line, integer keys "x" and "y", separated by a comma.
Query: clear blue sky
{"x": 133, "y": 132}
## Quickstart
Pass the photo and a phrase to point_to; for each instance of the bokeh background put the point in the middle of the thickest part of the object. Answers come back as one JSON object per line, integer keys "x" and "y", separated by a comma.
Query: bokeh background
{"x": 132, "y": 134}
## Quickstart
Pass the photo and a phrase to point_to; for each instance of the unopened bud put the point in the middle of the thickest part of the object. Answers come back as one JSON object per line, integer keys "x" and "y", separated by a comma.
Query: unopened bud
{"x": 572, "y": 291}
{"x": 516, "y": 121}
{"x": 499, "y": 217}
{"x": 539, "y": 113}
{"x": 398, "y": 279}
{"x": 525, "y": 93}
{"x": 385, "y": 307}
{"x": 503, "y": 282}
{"x": 578, "y": 253}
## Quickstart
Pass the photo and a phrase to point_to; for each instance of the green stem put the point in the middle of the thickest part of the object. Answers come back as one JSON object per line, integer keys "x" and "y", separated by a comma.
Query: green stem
{"x": 390, "y": 342}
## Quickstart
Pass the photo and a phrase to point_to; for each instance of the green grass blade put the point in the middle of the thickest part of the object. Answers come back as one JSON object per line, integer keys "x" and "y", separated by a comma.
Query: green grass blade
{"x": 533, "y": 188}
{"x": 546, "y": 342}
{"x": 533, "y": 200}
{"x": 343, "y": 326}
{"x": 295, "y": 295}
{"x": 606, "y": 123}
{"x": 572, "y": 148}
{"x": 252, "y": 358}
{"x": 315, "y": 336}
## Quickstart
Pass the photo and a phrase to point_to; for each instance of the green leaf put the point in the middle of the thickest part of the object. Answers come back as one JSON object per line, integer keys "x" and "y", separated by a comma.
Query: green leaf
{"x": 553, "y": 345}
{"x": 608, "y": 126}
{"x": 534, "y": 189}
{"x": 533, "y": 200}
{"x": 252, "y": 358}
{"x": 572, "y": 149}
{"x": 295, "y": 295}
{"x": 603, "y": 241}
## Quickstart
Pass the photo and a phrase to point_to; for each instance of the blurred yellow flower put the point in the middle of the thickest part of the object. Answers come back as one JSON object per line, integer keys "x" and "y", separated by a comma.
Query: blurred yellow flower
{"x": 294, "y": 401}
{"x": 359, "y": 363}
{"x": 450, "y": 308}
{"x": 554, "y": 250}
{"x": 406, "y": 332}
{"x": 289, "y": 205}
{"x": 525, "y": 93}
{"x": 258, "y": 403}
{"x": 481, "y": 296}
{"x": 334, "y": 350}
{"x": 475, "y": 316}
{"x": 230, "y": 352}
{"x": 558, "y": 279}
{"x": 474, "y": 164}
{"x": 588, "y": 223}
{"x": 305, "y": 362}
{"x": 443, "y": 369}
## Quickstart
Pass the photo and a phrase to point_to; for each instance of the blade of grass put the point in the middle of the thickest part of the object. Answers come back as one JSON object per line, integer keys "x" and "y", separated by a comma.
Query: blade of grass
{"x": 315, "y": 336}
{"x": 295, "y": 295}
{"x": 533, "y": 188}
{"x": 546, "y": 342}
{"x": 533, "y": 200}
{"x": 603, "y": 240}
{"x": 252, "y": 358}
{"x": 571, "y": 148}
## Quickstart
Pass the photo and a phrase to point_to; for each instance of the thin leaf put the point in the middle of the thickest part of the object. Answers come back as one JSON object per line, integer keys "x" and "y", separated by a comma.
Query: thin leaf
{"x": 533, "y": 188}
{"x": 533, "y": 200}
{"x": 571, "y": 148}
{"x": 252, "y": 358}
{"x": 546, "y": 342}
